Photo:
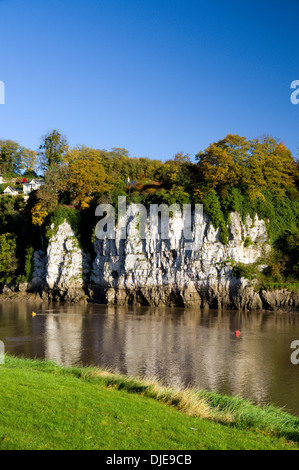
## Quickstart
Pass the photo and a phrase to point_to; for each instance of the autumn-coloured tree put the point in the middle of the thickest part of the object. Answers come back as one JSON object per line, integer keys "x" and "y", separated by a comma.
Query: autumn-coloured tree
{"x": 82, "y": 151}
{"x": 56, "y": 183}
{"x": 28, "y": 160}
{"x": 222, "y": 164}
{"x": 87, "y": 179}
{"x": 253, "y": 165}
{"x": 279, "y": 166}
{"x": 38, "y": 214}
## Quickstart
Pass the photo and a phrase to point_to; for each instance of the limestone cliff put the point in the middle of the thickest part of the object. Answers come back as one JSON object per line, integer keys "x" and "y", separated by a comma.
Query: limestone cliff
{"x": 153, "y": 271}
{"x": 62, "y": 271}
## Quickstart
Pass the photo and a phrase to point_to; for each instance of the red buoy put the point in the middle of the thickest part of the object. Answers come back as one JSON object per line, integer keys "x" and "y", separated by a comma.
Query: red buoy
{"x": 237, "y": 332}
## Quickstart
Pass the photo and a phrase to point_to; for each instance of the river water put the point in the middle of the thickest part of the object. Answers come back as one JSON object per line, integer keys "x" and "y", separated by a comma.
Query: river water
{"x": 179, "y": 346}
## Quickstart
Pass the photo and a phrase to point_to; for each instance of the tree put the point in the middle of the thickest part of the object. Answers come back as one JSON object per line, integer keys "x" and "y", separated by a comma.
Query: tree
{"x": 8, "y": 259}
{"x": 39, "y": 214}
{"x": 52, "y": 150}
{"x": 87, "y": 179}
{"x": 173, "y": 172}
{"x": 118, "y": 164}
{"x": 252, "y": 165}
{"x": 222, "y": 164}
{"x": 28, "y": 160}
{"x": 181, "y": 158}
{"x": 287, "y": 252}
{"x": 279, "y": 166}
{"x": 56, "y": 179}
{"x": 83, "y": 152}
{"x": 10, "y": 157}
{"x": 169, "y": 173}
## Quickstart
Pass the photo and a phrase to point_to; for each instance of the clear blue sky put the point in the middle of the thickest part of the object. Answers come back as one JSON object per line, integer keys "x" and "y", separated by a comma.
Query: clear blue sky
{"x": 155, "y": 77}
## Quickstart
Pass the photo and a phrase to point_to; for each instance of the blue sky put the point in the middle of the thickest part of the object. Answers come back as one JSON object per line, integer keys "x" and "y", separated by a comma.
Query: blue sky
{"x": 154, "y": 77}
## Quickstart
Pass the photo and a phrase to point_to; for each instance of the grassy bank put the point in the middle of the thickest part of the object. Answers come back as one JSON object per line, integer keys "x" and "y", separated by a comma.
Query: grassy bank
{"x": 46, "y": 406}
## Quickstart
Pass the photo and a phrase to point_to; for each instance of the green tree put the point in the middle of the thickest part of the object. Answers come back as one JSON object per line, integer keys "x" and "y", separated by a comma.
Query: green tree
{"x": 52, "y": 150}
{"x": 8, "y": 259}
{"x": 223, "y": 163}
{"x": 10, "y": 157}
{"x": 56, "y": 184}
{"x": 28, "y": 160}
{"x": 174, "y": 171}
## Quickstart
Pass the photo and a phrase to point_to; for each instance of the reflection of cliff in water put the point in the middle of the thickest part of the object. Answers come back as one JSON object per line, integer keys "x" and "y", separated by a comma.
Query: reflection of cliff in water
{"x": 181, "y": 347}
{"x": 188, "y": 347}
{"x": 191, "y": 349}
{"x": 63, "y": 339}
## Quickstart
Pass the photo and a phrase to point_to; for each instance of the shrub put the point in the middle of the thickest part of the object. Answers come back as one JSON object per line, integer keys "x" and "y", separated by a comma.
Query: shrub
{"x": 62, "y": 213}
{"x": 29, "y": 263}
{"x": 248, "y": 271}
{"x": 247, "y": 242}
{"x": 212, "y": 207}
{"x": 8, "y": 259}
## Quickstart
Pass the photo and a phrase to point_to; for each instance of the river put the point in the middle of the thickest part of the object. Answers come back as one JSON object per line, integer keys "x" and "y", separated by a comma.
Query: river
{"x": 179, "y": 346}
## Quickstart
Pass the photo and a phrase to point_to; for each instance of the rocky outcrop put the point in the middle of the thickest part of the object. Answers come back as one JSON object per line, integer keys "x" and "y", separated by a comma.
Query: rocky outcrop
{"x": 156, "y": 271}
{"x": 153, "y": 271}
{"x": 281, "y": 299}
{"x": 62, "y": 271}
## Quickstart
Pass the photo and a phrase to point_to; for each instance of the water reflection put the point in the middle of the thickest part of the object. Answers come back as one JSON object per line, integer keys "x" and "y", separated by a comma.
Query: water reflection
{"x": 182, "y": 347}
{"x": 63, "y": 338}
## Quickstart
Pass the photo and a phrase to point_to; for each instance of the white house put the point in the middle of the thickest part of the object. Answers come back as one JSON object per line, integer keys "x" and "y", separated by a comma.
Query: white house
{"x": 11, "y": 191}
{"x": 27, "y": 188}
{"x": 32, "y": 186}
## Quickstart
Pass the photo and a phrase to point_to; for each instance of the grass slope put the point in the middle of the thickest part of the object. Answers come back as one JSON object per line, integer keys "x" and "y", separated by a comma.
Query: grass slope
{"x": 45, "y": 406}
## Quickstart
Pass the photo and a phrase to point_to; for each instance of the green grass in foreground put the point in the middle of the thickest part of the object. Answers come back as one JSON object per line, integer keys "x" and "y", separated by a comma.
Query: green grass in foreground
{"x": 45, "y": 406}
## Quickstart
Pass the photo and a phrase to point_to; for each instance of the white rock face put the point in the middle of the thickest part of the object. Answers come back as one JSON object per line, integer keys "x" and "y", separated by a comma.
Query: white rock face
{"x": 157, "y": 270}
{"x": 65, "y": 266}
{"x": 154, "y": 271}
{"x": 64, "y": 258}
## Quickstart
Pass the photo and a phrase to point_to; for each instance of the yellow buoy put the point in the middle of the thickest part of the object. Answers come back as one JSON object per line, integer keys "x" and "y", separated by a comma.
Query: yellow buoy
{"x": 33, "y": 314}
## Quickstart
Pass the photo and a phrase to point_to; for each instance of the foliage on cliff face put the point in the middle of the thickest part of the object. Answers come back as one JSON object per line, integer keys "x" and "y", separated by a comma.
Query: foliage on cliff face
{"x": 61, "y": 214}
{"x": 38, "y": 214}
{"x": 18, "y": 239}
{"x": 8, "y": 259}
{"x": 214, "y": 210}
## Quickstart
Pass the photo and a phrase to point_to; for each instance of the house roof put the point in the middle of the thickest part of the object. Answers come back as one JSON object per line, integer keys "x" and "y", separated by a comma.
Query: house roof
{"x": 33, "y": 181}
{"x": 10, "y": 189}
